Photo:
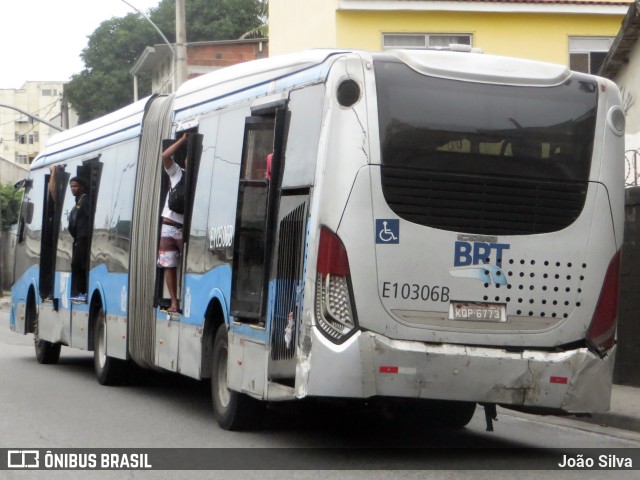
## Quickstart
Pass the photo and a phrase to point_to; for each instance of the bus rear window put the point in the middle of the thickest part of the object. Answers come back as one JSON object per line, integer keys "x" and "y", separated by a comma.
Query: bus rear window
{"x": 453, "y": 125}
{"x": 483, "y": 140}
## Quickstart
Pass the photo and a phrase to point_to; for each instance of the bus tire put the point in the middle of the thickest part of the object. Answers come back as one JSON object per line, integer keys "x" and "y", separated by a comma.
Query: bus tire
{"x": 448, "y": 414}
{"x": 109, "y": 370}
{"x": 47, "y": 353}
{"x": 232, "y": 410}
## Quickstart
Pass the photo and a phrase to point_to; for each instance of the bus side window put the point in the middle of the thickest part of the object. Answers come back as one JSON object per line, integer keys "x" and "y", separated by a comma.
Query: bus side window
{"x": 258, "y": 146}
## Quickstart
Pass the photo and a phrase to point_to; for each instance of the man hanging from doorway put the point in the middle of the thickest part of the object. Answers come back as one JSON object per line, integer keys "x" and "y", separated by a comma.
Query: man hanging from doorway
{"x": 171, "y": 233}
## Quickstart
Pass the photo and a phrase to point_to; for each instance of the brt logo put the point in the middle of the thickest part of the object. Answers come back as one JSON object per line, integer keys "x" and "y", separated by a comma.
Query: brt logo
{"x": 476, "y": 253}
{"x": 468, "y": 254}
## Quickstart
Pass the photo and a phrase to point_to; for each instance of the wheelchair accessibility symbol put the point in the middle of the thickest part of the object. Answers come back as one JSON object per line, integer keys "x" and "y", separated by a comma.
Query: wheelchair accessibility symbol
{"x": 387, "y": 230}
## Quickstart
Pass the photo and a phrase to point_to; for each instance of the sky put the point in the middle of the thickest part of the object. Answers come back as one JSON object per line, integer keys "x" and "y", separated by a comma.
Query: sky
{"x": 41, "y": 40}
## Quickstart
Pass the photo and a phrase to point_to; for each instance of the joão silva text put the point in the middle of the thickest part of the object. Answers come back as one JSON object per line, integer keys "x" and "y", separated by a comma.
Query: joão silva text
{"x": 604, "y": 461}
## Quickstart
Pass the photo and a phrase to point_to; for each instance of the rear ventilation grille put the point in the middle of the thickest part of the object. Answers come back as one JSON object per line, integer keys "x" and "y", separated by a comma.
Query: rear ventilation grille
{"x": 482, "y": 204}
{"x": 288, "y": 284}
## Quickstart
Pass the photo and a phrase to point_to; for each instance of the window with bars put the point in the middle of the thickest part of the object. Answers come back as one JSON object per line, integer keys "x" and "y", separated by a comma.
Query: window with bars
{"x": 423, "y": 40}
{"x": 586, "y": 54}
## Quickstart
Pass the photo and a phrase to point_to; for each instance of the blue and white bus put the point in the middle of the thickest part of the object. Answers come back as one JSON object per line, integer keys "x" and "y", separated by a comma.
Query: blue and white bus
{"x": 432, "y": 230}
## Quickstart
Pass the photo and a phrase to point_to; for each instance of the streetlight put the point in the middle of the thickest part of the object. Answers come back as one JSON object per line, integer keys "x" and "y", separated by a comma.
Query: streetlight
{"x": 173, "y": 52}
{"x": 35, "y": 117}
{"x": 179, "y": 57}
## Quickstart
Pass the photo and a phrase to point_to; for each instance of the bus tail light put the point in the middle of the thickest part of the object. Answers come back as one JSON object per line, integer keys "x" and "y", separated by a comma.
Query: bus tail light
{"x": 602, "y": 331}
{"x": 335, "y": 312}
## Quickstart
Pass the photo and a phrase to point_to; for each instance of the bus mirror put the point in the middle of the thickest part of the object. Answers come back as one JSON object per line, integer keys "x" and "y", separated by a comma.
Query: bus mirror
{"x": 24, "y": 183}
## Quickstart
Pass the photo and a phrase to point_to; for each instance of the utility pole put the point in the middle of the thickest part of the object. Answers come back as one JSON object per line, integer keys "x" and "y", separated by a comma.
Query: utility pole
{"x": 181, "y": 44}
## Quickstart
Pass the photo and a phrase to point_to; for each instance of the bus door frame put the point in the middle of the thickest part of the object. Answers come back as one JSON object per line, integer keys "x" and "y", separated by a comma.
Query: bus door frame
{"x": 53, "y": 325}
{"x": 168, "y": 325}
{"x": 248, "y": 330}
{"x": 51, "y": 226}
{"x": 91, "y": 170}
{"x": 276, "y": 115}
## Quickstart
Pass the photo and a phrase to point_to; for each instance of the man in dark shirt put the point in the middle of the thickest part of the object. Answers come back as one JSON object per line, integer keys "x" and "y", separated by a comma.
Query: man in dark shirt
{"x": 80, "y": 230}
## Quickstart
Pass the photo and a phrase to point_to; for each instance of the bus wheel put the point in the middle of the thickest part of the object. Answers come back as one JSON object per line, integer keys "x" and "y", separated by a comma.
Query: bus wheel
{"x": 232, "y": 410}
{"x": 448, "y": 414}
{"x": 46, "y": 352}
{"x": 109, "y": 370}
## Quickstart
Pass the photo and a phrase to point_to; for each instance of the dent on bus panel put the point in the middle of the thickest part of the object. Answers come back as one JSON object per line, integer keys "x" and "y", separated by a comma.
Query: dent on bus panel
{"x": 371, "y": 364}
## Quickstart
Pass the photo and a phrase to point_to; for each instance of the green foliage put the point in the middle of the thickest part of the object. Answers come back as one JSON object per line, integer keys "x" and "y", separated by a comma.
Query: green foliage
{"x": 209, "y": 20}
{"x": 106, "y": 84}
{"x": 9, "y": 205}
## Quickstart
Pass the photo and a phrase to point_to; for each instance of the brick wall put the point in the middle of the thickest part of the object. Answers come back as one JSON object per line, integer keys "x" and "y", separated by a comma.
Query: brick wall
{"x": 627, "y": 368}
{"x": 224, "y": 55}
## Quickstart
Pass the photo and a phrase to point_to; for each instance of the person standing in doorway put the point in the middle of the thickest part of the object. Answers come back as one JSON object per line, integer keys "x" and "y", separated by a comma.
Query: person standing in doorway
{"x": 80, "y": 230}
{"x": 171, "y": 240}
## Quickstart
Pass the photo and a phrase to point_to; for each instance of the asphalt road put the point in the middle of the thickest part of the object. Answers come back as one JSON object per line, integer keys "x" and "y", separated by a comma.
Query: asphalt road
{"x": 63, "y": 406}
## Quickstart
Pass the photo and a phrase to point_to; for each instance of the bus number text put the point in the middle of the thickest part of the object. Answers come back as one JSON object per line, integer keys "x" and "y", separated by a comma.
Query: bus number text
{"x": 220, "y": 237}
{"x": 415, "y": 291}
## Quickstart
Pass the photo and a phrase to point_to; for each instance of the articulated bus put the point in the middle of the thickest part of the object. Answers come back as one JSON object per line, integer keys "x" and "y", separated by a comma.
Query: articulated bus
{"x": 428, "y": 230}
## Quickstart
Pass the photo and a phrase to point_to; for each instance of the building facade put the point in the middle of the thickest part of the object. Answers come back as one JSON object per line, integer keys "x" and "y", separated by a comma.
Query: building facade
{"x": 577, "y": 33}
{"x": 622, "y": 65}
{"x": 202, "y": 57}
{"x": 22, "y": 137}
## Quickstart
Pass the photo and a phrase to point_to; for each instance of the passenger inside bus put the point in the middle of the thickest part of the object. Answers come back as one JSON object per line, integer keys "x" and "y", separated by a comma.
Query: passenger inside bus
{"x": 171, "y": 238}
{"x": 80, "y": 230}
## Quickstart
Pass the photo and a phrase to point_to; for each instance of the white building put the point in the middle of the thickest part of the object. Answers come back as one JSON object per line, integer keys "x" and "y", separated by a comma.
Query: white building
{"x": 622, "y": 65}
{"x": 22, "y": 138}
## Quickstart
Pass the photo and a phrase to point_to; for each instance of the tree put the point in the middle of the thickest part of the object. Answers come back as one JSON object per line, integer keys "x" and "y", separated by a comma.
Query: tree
{"x": 262, "y": 30}
{"x": 105, "y": 84}
{"x": 210, "y": 19}
{"x": 9, "y": 206}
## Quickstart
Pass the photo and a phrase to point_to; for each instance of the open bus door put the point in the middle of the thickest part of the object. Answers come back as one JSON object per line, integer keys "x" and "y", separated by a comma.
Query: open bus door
{"x": 90, "y": 171}
{"x": 256, "y": 214}
{"x": 169, "y": 323}
{"x": 267, "y": 273}
{"x": 53, "y": 199}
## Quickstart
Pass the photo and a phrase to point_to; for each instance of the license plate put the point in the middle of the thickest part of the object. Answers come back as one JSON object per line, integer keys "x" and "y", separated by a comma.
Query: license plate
{"x": 477, "y": 311}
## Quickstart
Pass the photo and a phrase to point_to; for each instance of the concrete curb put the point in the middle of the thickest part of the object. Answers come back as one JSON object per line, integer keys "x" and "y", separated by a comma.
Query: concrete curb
{"x": 613, "y": 420}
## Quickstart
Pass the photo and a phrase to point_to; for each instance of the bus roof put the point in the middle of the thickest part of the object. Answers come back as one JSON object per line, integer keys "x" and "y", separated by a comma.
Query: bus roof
{"x": 120, "y": 120}
{"x": 244, "y": 75}
{"x": 446, "y": 64}
{"x": 482, "y": 68}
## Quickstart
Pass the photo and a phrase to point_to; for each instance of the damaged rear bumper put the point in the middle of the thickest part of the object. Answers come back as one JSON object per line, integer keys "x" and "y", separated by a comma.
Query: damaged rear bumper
{"x": 369, "y": 365}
